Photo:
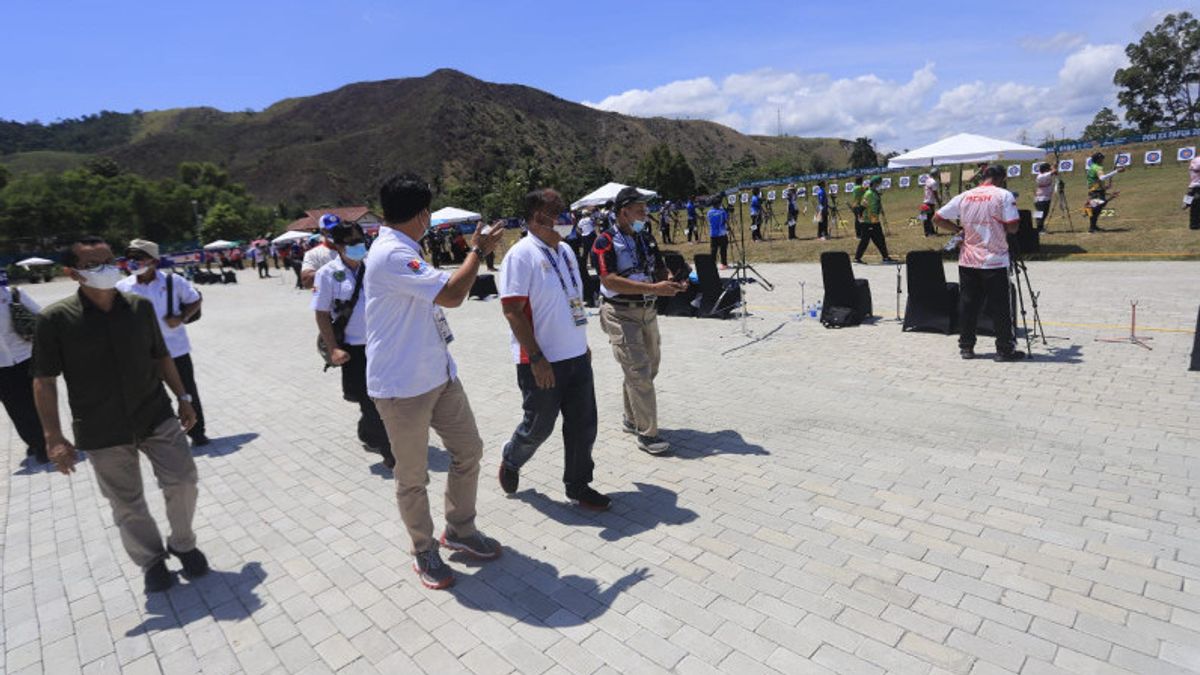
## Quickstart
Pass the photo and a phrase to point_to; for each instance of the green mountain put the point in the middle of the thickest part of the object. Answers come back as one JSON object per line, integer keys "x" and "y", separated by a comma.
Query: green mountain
{"x": 336, "y": 147}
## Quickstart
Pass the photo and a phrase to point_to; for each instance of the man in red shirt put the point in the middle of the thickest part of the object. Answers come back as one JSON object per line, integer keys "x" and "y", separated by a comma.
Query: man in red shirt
{"x": 986, "y": 215}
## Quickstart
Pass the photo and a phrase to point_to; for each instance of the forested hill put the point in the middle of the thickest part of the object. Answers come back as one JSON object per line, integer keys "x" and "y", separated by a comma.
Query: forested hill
{"x": 455, "y": 129}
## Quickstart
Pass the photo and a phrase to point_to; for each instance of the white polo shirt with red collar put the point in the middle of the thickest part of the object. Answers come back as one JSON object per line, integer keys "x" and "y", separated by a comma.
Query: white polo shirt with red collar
{"x": 547, "y": 280}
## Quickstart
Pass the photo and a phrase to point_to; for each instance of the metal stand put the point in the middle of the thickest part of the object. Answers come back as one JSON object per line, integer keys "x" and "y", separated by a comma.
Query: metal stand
{"x": 1133, "y": 336}
{"x": 741, "y": 274}
{"x": 898, "y": 290}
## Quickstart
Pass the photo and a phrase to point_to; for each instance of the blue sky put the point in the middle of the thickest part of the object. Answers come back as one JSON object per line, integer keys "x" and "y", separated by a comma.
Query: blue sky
{"x": 904, "y": 73}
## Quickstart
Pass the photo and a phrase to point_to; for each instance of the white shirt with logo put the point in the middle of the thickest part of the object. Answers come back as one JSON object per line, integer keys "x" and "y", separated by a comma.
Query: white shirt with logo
{"x": 335, "y": 281}
{"x": 586, "y": 226}
{"x": 407, "y": 334}
{"x": 1045, "y": 187}
{"x": 13, "y": 349}
{"x": 982, "y": 213}
{"x": 534, "y": 272}
{"x": 156, "y": 293}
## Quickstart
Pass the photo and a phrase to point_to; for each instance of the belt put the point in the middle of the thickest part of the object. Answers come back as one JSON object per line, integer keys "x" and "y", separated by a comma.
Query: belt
{"x": 629, "y": 303}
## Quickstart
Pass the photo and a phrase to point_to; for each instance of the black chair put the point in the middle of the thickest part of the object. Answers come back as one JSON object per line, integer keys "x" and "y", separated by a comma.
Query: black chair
{"x": 932, "y": 304}
{"x": 841, "y": 288}
{"x": 718, "y": 297}
{"x": 485, "y": 285}
{"x": 1027, "y": 239}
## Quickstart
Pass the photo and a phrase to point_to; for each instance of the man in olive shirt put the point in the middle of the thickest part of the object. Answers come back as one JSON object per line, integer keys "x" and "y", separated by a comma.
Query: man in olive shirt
{"x": 110, "y": 350}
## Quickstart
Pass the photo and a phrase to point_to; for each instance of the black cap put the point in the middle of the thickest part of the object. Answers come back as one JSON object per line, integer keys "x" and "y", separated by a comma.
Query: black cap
{"x": 995, "y": 172}
{"x": 627, "y": 196}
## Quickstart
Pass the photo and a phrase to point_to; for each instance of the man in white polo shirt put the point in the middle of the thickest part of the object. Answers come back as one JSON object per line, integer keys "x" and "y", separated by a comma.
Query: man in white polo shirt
{"x": 413, "y": 379}
{"x": 175, "y": 302}
{"x": 987, "y": 215}
{"x": 542, "y": 294}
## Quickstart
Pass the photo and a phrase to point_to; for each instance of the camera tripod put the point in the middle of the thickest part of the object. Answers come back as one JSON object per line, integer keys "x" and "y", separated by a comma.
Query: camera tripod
{"x": 1060, "y": 198}
{"x": 1019, "y": 270}
{"x": 742, "y": 271}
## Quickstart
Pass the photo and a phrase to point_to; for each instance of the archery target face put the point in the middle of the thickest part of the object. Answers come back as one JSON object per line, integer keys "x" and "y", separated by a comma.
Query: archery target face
{"x": 1185, "y": 154}
{"x": 1066, "y": 166}
{"x": 1153, "y": 157}
{"x": 1014, "y": 171}
{"x": 833, "y": 189}
{"x": 905, "y": 181}
{"x": 1123, "y": 159}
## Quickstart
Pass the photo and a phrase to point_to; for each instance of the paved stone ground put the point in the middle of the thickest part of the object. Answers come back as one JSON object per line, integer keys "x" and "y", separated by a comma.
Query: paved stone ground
{"x": 853, "y": 501}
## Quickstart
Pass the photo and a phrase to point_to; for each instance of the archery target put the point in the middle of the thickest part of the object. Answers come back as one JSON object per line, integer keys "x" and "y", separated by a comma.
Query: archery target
{"x": 1123, "y": 159}
{"x": 833, "y": 188}
{"x": 1014, "y": 170}
{"x": 905, "y": 181}
{"x": 1185, "y": 154}
{"x": 1153, "y": 157}
{"x": 771, "y": 196}
{"x": 1066, "y": 166}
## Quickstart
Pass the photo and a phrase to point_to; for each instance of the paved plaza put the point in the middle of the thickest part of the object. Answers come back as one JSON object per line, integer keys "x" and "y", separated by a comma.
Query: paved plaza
{"x": 839, "y": 501}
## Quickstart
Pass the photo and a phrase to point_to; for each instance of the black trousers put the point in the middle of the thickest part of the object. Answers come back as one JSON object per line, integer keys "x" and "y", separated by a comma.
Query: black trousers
{"x": 574, "y": 395}
{"x": 1044, "y": 209}
{"x": 186, "y": 373}
{"x": 858, "y": 224}
{"x": 720, "y": 245}
{"x": 296, "y": 265}
{"x": 16, "y": 390}
{"x": 756, "y": 233}
{"x": 823, "y": 223}
{"x": 354, "y": 389}
{"x": 665, "y": 229}
{"x": 927, "y": 226}
{"x": 870, "y": 232}
{"x": 980, "y": 288}
{"x": 263, "y": 270}
{"x": 1194, "y": 216}
{"x": 1095, "y": 210}
{"x": 692, "y": 231}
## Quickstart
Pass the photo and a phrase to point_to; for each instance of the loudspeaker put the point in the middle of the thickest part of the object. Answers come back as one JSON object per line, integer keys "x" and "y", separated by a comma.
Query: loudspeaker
{"x": 1027, "y": 239}
{"x": 1196, "y": 345}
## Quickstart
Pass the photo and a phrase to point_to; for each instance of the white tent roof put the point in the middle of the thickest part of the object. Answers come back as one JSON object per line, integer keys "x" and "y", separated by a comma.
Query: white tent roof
{"x": 34, "y": 262}
{"x": 219, "y": 244}
{"x": 290, "y": 236}
{"x": 606, "y": 193}
{"x": 450, "y": 214}
{"x": 964, "y": 149}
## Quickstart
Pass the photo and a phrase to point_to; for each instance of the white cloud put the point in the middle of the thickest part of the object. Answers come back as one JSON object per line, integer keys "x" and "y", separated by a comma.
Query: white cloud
{"x": 1062, "y": 41}
{"x": 897, "y": 114}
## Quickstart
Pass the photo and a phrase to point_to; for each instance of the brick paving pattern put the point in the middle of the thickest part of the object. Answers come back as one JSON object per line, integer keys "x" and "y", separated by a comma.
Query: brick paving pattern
{"x": 853, "y": 501}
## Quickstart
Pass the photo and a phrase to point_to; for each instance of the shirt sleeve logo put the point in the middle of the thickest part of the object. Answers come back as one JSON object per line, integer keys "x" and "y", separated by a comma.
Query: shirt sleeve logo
{"x": 415, "y": 265}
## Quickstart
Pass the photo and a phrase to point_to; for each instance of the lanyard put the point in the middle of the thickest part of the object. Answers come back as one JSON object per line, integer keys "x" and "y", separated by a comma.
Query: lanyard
{"x": 638, "y": 249}
{"x": 554, "y": 264}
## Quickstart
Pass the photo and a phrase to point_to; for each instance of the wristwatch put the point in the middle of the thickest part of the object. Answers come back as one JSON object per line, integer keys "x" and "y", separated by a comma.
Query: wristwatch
{"x": 535, "y": 358}
{"x": 477, "y": 251}
{"x": 186, "y": 398}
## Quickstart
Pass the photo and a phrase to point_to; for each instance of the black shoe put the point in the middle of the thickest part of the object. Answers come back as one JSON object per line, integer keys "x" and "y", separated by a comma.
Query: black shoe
{"x": 1014, "y": 355}
{"x": 967, "y": 354}
{"x": 589, "y": 499}
{"x": 200, "y": 440}
{"x": 889, "y": 260}
{"x": 1093, "y": 230}
{"x": 194, "y": 562}
{"x": 859, "y": 261}
{"x": 509, "y": 479}
{"x": 389, "y": 461}
{"x": 158, "y": 578}
{"x": 653, "y": 445}
{"x": 628, "y": 427}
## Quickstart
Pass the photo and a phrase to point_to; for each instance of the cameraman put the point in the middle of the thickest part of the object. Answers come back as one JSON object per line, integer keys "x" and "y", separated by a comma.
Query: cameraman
{"x": 988, "y": 214}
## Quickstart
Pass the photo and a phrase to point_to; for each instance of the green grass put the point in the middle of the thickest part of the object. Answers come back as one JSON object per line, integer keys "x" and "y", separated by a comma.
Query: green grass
{"x": 1148, "y": 222}
{"x": 43, "y": 161}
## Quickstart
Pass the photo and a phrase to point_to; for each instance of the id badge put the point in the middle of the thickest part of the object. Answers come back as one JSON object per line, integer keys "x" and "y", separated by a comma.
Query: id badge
{"x": 443, "y": 326}
{"x": 1038, "y": 215}
{"x": 578, "y": 313}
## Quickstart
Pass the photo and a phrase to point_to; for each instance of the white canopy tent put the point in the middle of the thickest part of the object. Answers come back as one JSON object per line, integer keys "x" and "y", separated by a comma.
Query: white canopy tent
{"x": 966, "y": 149}
{"x": 449, "y": 215}
{"x": 219, "y": 245}
{"x": 34, "y": 262}
{"x": 290, "y": 236}
{"x": 607, "y": 193}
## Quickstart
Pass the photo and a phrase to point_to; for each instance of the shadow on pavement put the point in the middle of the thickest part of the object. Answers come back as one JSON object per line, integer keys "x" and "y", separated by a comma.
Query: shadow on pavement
{"x": 224, "y": 596}
{"x": 691, "y": 444}
{"x": 224, "y": 445}
{"x": 534, "y": 592}
{"x": 632, "y": 513}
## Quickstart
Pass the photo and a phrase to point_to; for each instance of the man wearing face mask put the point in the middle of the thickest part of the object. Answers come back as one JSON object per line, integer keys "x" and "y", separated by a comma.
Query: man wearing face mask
{"x": 175, "y": 302}
{"x": 109, "y": 348}
{"x": 632, "y": 276}
{"x": 340, "y": 307}
{"x": 541, "y": 291}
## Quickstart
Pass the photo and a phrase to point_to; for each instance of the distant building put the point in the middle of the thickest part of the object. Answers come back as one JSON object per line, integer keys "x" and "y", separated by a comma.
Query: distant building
{"x": 361, "y": 215}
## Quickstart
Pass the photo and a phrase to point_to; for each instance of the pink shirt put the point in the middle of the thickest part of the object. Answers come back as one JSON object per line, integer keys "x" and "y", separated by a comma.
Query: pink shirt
{"x": 982, "y": 213}
{"x": 1194, "y": 172}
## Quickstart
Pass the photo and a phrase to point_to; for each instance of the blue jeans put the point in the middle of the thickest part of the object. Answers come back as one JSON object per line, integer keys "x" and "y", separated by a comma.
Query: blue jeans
{"x": 573, "y": 394}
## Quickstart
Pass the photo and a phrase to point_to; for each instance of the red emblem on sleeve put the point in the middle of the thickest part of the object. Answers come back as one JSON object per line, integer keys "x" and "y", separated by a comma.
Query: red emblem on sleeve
{"x": 414, "y": 265}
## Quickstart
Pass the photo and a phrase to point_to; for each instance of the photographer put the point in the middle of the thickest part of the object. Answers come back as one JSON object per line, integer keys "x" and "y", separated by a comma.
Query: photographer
{"x": 987, "y": 214}
{"x": 1097, "y": 189}
{"x": 1045, "y": 181}
{"x": 632, "y": 277}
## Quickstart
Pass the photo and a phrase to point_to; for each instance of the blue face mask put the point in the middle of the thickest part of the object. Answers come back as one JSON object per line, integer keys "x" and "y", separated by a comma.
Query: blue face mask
{"x": 639, "y": 225}
{"x": 356, "y": 251}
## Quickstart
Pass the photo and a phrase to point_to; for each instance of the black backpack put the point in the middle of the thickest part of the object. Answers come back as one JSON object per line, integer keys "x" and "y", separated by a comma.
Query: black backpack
{"x": 840, "y": 317}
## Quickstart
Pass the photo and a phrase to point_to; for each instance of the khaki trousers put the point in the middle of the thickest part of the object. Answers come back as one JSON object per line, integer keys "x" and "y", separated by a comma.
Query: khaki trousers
{"x": 119, "y": 474}
{"x": 408, "y": 421}
{"x": 633, "y": 334}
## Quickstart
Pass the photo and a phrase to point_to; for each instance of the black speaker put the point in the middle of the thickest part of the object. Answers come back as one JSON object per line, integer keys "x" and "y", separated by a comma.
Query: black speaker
{"x": 1196, "y": 345}
{"x": 1027, "y": 239}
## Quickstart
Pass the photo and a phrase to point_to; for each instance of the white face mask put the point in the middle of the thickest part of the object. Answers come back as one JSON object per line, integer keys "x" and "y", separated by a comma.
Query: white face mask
{"x": 102, "y": 278}
{"x": 563, "y": 230}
